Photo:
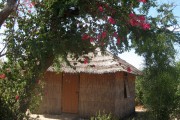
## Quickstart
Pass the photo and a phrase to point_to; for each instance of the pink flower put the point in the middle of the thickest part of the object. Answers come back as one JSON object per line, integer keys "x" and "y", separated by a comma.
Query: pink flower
{"x": 100, "y": 8}
{"x": 141, "y": 18}
{"x": 92, "y": 39}
{"x": 138, "y": 21}
{"x": 146, "y": 26}
{"x": 104, "y": 34}
{"x": 30, "y": 5}
{"x": 2, "y": 76}
{"x": 118, "y": 40}
{"x": 85, "y": 37}
{"x": 98, "y": 36}
{"x": 133, "y": 19}
{"x": 115, "y": 34}
{"x": 17, "y": 97}
{"x": 111, "y": 20}
{"x": 133, "y": 22}
{"x": 129, "y": 69}
{"x": 85, "y": 60}
{"x": 132, "y": 15}
{"x": 143, "y": 1}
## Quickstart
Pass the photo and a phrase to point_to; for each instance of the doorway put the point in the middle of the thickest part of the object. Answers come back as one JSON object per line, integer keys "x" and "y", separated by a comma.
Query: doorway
{"x": 70, "y": 93}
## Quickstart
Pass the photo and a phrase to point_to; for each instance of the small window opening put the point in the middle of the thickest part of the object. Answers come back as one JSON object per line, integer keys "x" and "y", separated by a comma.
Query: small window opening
{"x": 125, "y": 91}
{"x": 126, "y": 86}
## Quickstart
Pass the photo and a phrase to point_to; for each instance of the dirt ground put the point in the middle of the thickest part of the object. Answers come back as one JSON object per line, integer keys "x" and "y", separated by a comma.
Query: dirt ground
{"x": 54, "y": 117}
{"x": 70, "y": 116}
{"x": 140, "y": 108}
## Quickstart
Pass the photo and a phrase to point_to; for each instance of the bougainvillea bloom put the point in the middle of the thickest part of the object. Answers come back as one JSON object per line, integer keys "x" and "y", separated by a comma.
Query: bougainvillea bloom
{"x": 111, "y": 20}
{"x": 133, "y": 19}
{"x": 92, "y": 39}
{"x": 85, "y": 37}
{"x": 100, "y": 8}
{"x": 2, "y": 76}
{"x": 118, "y": 40}
{"x": 85, "y": 60}
{"x": 132, "y": 15}
{"x": 129, "y": 69}
{"x": 104, "y": 34}
{"x": 141, "y": 18}
{"x": 143, "y": 1}
{"x": 17, "y": 97}
{"x": 139, "y": 21}
{"x": 115, "y": 34}
{"x": 30, "y": 5}
{"x": 146, "y": 26}
{"x": 134, "y": 22}
{"x": 99, "y": 36}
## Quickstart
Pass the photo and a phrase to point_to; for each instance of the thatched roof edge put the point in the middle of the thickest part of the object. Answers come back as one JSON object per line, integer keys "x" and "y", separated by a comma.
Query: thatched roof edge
{"x": 99, "y": 64}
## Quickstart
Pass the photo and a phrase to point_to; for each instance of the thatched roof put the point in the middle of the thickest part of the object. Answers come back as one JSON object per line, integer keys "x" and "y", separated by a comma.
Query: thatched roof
{"x": 97, "y": 63}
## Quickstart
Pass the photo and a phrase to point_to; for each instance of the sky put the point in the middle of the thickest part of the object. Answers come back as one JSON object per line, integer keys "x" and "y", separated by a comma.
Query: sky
{"x": 133, "y": 58}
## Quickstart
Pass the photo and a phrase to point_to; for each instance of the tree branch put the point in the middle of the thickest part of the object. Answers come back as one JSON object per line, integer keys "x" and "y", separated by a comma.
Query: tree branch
{"x": 7, "y": 10}
{"x": 1, "y": 55}
{"x": 1, "y": 52}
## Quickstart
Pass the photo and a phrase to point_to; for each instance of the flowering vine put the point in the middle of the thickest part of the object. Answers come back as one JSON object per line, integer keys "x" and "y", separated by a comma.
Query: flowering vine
{"x": 139, "y": 21}
{"x": 2, "y": 76}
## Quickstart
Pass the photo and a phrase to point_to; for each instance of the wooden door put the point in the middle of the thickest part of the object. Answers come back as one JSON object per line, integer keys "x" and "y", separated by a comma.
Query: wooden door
{"x": 70, "y": 93}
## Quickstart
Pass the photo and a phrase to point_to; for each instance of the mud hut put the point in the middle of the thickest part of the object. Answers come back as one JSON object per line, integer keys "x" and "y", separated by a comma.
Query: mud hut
{"x": 102, "y": 83}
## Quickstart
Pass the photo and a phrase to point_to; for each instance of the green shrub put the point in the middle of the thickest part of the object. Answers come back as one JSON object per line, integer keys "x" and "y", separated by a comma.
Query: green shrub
{"x": 139, "y": 91}
{"x": 17, "y": 92}
{"x": 159, "y": 92}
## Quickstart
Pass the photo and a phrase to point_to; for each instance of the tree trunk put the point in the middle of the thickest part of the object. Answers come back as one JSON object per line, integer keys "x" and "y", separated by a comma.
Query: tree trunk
{"x": 7, "y": 10}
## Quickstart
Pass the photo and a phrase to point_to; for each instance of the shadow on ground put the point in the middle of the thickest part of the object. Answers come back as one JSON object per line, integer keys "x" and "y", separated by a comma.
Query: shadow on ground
{"x": 137, "y": 116}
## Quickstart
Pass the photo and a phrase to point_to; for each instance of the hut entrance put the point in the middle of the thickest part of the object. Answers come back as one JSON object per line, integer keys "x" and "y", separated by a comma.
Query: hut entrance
{"x": 70, "y": 93}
